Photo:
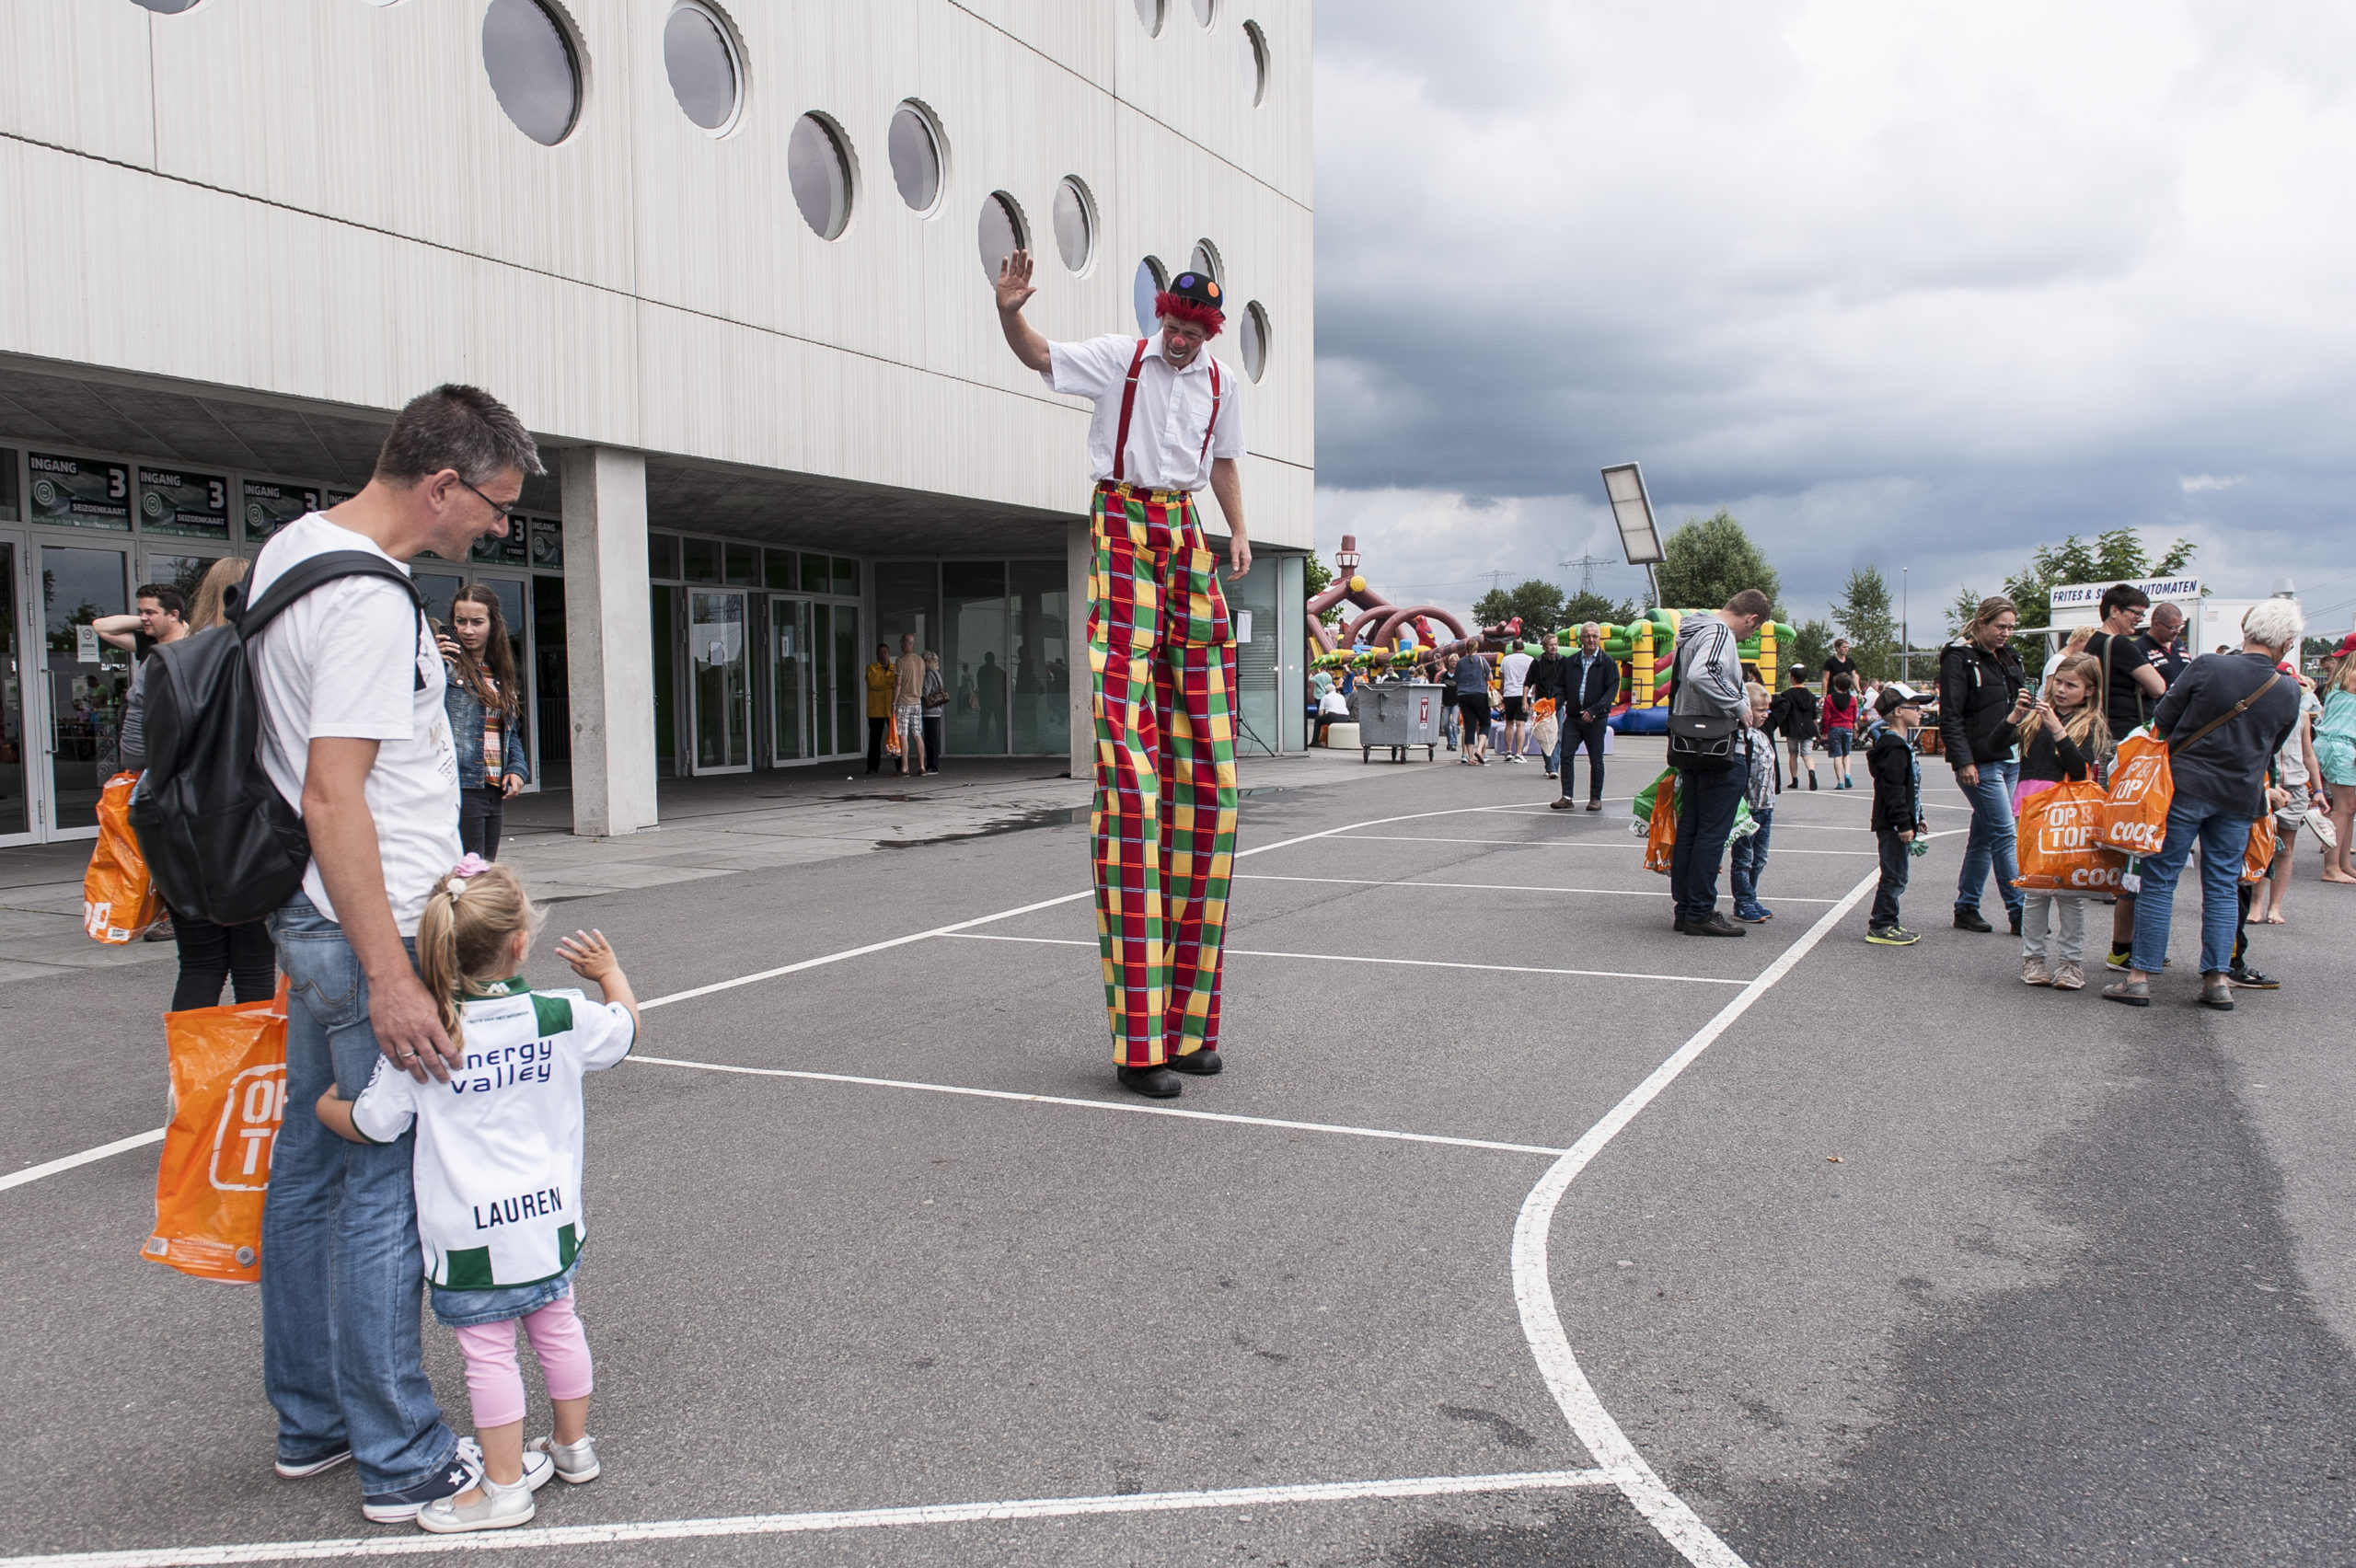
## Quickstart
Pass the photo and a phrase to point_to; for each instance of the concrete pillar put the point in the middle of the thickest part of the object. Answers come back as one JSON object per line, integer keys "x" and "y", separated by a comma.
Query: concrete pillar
{"x": 608, "y": 641}
{"x": 1080, "y": 554}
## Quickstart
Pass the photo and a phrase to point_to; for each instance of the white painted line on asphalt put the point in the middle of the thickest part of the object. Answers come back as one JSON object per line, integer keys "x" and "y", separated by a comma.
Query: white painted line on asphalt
{"x": 1600, "y": 841}
{"x": 1533, "y": 1288}
{"x": 1122, "y": 1105}
{"x": 1489, "y": 887}
{"x": 417, "y": 1544}
{"x": 35, "y": 1172}
{"x": 1409, "y": 962}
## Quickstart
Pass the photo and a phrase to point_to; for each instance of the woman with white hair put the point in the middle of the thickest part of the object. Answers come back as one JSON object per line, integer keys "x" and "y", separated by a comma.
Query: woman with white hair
{"x": 2224, "y": 719}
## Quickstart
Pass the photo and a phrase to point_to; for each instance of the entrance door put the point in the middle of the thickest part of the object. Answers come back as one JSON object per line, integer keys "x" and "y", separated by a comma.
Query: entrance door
{"x": 86, "y": 679}
{"x": 15, "y": 747}
{"x": 817, "y": 686}
{"x": 719, "y": 710}
{"x": 790, "y": 667}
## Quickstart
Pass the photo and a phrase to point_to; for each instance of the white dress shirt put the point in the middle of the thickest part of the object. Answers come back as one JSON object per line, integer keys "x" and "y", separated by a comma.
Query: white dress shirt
{"x": 1166, "y": 427}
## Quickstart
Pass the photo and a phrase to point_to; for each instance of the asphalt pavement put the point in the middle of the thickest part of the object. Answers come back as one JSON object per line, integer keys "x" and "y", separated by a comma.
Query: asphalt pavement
{"x": 1913, "y": 1264}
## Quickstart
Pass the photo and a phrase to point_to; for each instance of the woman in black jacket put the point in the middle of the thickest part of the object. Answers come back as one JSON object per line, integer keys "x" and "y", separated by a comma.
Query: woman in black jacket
{"x": 1982, "y": 698}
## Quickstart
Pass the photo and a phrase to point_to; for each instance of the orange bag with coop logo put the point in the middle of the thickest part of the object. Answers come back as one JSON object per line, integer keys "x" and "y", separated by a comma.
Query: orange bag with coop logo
{"x": 1660, "y": 834}
{"x": 119, "y": 901}
{"x": 2060, "y": 842}
{"x": 2142, "y": 787}
{"x": 228, "y": 1096}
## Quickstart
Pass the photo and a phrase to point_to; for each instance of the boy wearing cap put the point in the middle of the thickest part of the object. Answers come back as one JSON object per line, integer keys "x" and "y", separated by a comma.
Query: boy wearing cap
{"x": 1897, "y": 807}
{"x": 1169, "y": 420}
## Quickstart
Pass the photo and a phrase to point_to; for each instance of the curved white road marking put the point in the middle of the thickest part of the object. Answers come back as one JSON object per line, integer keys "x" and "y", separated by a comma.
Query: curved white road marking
{"x": 1533, "y": 1289}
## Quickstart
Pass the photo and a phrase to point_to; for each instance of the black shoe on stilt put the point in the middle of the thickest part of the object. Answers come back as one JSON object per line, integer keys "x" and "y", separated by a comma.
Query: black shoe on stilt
{"x": 1202, "y": 1063}
{"x": 1154, "y": 1083}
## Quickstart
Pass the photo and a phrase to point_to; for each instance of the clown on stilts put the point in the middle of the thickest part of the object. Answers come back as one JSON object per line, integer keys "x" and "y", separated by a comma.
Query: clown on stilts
{"x": 1161, "y": 661}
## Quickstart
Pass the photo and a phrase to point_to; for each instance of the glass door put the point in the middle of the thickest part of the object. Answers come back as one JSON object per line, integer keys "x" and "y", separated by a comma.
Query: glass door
{"x": 16, "y": 766}
{"x": 720, "y": 712}
{"x": 789, "y": 683}
{"x": 86, "y": 679}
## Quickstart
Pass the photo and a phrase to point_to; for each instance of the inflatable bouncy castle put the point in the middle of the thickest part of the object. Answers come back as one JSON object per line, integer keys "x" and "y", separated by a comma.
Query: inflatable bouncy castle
{"x": 1644, "y": 647}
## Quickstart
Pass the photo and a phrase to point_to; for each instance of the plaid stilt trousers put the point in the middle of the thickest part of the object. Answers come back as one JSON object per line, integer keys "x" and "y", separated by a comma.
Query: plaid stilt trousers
{"x": 1162, "y": 662}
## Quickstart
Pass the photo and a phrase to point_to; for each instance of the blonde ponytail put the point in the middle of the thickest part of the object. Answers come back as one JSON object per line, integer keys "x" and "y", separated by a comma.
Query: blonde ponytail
{"x": 464, "y": 934}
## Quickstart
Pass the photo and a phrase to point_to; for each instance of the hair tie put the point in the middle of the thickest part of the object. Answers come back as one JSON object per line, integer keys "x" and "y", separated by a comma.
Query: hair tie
{"x": 471, "y": 865}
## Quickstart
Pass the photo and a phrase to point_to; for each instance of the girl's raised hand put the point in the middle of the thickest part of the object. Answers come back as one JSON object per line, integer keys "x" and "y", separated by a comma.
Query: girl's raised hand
{"x": 590, "y": 955}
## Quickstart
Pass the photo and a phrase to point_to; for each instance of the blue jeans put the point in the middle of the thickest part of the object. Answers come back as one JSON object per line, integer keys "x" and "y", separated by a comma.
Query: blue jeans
{"x": 342, "y": 1269}
{"x": 1992, "y": 843}
{"x": 1706, "y": 808}
{"x": 2224, "y": 832}
{"x": 1748, "y": 861}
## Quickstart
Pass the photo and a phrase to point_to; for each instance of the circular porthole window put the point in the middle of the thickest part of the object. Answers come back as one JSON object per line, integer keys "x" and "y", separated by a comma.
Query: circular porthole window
{"x": 817, "y": 165}
{"x": 1254, "y": 336}
{"x": 1207, "y": 260}
{"x": 166, "y": 8}
{"x": 1149, "y": 17}
{"x": 1002, "y": 231}
{"x": 1206, "y": 12}
{"x": 1252, "y": 59}
{"x": 534, "y": 72}
{"x": 1075, "y": 223}
{"x": 707, "y": 74}
{"x": 913, "y": 146}
{"x": 1152, "y": 279}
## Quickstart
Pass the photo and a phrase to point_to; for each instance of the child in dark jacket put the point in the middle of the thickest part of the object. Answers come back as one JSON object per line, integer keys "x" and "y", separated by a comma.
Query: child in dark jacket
{"x": 1897, "y": 807}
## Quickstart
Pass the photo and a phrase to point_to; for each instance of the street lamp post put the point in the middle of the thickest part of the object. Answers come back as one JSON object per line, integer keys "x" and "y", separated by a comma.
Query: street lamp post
{"x": 1632, "y": 509}
{"x": 1905, "y": 633}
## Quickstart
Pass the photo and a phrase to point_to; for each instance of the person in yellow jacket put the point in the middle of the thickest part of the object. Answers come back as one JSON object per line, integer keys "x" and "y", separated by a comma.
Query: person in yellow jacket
{"x": 880, "y": 679}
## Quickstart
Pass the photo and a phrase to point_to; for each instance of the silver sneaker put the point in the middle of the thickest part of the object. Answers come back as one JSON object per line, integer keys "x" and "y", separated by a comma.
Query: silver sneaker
{"x": 2070, "y": 977}
{"x": 576, "y": 1462}
{"x": 2033, "y": 973}
{"x": 498, "y": 1508}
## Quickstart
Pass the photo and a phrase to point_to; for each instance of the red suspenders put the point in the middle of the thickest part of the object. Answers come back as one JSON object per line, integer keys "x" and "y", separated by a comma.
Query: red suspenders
{"x": 1129, "y": 403}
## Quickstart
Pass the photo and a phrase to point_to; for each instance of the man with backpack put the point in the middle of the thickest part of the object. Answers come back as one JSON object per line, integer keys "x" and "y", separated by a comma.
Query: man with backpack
{"x": 1705, "y": 722}
{"x": 353, "y": 732}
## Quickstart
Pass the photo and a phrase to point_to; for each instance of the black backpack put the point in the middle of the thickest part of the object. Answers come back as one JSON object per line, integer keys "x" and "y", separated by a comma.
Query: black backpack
{"x": 222, "y": 844}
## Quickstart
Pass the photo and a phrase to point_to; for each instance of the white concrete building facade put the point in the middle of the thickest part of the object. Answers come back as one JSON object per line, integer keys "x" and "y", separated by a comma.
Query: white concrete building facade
{"x": 724, "y": 257}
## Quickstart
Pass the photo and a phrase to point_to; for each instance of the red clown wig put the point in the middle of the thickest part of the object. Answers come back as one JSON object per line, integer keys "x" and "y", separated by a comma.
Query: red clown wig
{"x": 1194, "y": 312}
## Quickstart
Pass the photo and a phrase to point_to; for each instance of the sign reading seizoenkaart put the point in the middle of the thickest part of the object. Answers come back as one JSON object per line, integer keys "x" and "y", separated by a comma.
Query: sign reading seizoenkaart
{"x": 79, "y": 493}
{"x": 172, "y": 501}
{"x": 271, "y": 506}
{"x": 2088, "y": 595}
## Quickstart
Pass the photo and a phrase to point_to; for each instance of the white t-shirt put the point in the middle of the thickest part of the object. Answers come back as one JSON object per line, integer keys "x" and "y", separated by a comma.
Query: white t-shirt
{"x": 355, "y": 660}
{"x": 1167, "y": 423}
{"x": 498, "y": 1160}
{"x": 1516, "y": 667}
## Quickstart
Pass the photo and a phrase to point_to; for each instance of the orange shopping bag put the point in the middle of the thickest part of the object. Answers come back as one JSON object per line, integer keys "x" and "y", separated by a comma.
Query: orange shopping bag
{"x": 229, "y": 1092}
{"x": 1660, "y": 834}
{"x": 2142, "y": 789}
{"x": 119, "y": 902}
{"x": 2260, "y": 855}
{"x": 2060, "y": 842}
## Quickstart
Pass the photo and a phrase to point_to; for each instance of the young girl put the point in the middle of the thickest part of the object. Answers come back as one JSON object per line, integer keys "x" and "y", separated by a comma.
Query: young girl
{"x": 2064, "y": 737}
{"x": 1839, "y": 723}
{"x": 2336, "y": 759}
{"x": 498, "y": 1172}
{"x": 483, "y": 700}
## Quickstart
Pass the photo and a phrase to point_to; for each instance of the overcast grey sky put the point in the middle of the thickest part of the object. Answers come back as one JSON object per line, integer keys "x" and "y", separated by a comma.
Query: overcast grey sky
{"x": 1920, "y": 285}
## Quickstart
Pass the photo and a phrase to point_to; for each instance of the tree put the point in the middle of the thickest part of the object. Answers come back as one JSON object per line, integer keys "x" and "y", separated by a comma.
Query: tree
{"x": 1315, "y": 576}
{"x": 1710, "y": 560}
{"x": 1811, "y": 646}
{"x": 1961, "y": 613}
{"x": 1864, "y": 613}
{"x": 1537, "y": 602}
{"x": 1583, "y": 607}
{"x": 2115, "y": 554}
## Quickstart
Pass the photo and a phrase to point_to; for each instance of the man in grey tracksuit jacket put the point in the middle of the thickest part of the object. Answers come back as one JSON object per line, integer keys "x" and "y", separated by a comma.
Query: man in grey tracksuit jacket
{"x": 1709, "y": 680}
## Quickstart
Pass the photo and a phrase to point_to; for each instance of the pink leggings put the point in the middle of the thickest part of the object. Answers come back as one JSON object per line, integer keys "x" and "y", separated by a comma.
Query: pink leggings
{"x": 495, "y": 1385}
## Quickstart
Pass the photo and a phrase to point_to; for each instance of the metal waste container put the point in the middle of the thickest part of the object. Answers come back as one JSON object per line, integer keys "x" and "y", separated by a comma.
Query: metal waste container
{"x": 1398, "y": 717}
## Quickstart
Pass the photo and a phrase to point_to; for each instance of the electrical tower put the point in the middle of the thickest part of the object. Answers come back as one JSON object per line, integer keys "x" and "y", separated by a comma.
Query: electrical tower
{"x": 1586, "y": 565}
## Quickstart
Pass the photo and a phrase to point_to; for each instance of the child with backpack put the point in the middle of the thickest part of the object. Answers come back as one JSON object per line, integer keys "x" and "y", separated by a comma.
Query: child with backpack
{"x": 1748, "y": 854}
{"x": 498, "y": 1172}
{"x": 1898, "y": 822}
{"x": 2065, "y": 738}
{"x": 1840, "y": 722}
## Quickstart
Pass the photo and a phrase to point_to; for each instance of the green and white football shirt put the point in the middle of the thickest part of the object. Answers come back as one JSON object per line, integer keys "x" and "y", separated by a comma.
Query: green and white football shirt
{"x": 497, "y": 1161}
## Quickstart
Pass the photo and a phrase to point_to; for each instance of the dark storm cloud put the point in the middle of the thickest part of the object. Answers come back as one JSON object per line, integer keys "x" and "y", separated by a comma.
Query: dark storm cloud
{"x": 1921, "y": 286}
